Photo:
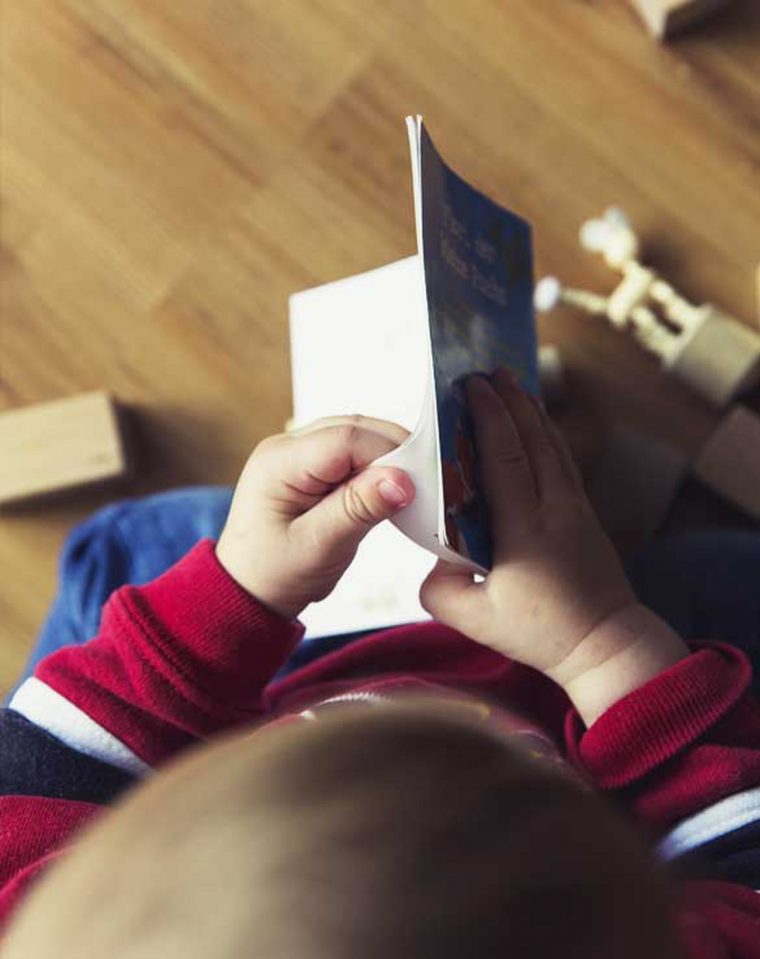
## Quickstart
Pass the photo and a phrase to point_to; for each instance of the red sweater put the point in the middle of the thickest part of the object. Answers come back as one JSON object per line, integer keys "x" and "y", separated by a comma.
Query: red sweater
{"x": 191, "y": 655}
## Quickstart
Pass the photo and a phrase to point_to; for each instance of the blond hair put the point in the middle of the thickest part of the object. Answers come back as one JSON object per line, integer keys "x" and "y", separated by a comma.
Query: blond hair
{"x": 371, "y": 834}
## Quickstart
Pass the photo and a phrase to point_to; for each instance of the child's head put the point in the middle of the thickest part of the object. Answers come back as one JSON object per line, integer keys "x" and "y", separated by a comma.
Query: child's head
{"x": 369, "y": 834}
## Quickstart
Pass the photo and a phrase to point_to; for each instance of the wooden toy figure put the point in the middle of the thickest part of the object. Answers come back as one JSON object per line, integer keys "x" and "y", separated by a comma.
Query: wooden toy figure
{"x": 712, "y": 352}
{"x": 667, "y": 17}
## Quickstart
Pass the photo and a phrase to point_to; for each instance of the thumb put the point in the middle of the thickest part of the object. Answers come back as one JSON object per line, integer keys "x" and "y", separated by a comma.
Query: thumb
{"x": 452, "y": 597}
{"x": 342, "y": 519}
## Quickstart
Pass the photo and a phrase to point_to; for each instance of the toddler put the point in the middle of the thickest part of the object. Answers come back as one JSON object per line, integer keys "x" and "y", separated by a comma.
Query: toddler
{"x": 546, "y": 769}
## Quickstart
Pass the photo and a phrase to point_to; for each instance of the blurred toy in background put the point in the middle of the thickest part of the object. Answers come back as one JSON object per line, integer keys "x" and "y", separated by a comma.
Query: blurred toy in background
{"x": 667, "y": 17}
{"x": 711, "y": 352}
{"x": 551, "y": 375}
{"x": 637, "y": 477}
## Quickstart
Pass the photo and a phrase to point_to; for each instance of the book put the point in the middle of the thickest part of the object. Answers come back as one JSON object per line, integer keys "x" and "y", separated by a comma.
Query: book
{"x": 399, "y": 343}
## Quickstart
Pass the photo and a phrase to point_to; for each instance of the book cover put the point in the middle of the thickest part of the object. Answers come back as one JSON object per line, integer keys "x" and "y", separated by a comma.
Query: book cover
{"x": 479, "y": 283}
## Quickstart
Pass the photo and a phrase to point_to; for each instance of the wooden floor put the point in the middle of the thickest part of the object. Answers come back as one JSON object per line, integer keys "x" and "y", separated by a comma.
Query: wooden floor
{"x": 172, "y": 171}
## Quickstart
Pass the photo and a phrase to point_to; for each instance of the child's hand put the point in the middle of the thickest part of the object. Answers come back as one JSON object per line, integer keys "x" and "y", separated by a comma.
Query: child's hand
{"x": 557, "y": 598}
{"x": 303, "y": 504}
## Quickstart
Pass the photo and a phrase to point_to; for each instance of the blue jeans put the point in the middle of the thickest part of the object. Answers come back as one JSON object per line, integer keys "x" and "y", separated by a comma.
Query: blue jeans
{"x": 134, "y": 541}
{"x": 706, "y": 585}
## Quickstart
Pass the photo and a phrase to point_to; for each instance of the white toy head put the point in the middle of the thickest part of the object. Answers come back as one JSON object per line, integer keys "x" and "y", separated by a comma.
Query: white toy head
{"x": 612, "y": 236}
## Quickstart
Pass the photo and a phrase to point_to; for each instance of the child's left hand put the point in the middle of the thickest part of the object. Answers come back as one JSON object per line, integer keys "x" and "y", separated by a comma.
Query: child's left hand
{"x": 304, "y": 502}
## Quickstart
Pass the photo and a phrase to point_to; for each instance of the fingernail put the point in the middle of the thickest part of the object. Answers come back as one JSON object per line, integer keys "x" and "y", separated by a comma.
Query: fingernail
{"x": 392, "y": 493}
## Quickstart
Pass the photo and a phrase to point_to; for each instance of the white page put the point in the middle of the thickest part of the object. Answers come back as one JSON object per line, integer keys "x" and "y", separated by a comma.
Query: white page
{"x": 357, "y": 347}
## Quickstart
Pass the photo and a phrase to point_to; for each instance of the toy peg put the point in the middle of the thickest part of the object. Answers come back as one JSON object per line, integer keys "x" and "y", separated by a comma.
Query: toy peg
{"x": 550, "y": 293}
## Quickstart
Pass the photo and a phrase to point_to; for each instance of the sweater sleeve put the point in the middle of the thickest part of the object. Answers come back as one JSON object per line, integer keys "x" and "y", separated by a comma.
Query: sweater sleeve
{"x": 682, "y": 754}
{"x": 177, "y": 660}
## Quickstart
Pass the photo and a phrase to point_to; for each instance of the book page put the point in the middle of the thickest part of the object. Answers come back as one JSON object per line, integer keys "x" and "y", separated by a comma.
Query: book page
{"x": 359, "y": 345}
{"x": 356, "y": 346}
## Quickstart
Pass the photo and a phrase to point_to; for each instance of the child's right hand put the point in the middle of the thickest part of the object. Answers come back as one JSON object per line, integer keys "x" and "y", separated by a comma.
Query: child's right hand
{"x": 556, "y": 598}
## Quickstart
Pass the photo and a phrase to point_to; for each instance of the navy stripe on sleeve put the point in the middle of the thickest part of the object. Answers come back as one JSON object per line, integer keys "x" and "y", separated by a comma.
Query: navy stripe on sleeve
{"x": 34, "y": 763}
{"x": 734, "y": 857}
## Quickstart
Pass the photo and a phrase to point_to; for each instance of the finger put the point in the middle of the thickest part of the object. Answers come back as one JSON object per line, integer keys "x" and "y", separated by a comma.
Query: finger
{"x": 531, "y": 424}
{"x": 392, "y": 431}
{"x": 313, "y": 463}
{"x": 505, "y": 471}
{"x": 338, "y": 523}
{"x": 452, "y": 597}
{"x": 569, "y": 466}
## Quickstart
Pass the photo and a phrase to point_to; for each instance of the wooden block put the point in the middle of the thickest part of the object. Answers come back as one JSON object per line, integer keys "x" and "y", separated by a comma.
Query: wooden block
{"x": 56, "y": 446}
{"x": 721, "y": 360}
{"x": 633, "y": 485}
{"x": 730, "y": 460}
{"x": 667, "y": 17}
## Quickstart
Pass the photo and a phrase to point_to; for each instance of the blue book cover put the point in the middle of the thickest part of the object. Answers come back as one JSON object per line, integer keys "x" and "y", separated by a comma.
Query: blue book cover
{"x": 479, "y": 285}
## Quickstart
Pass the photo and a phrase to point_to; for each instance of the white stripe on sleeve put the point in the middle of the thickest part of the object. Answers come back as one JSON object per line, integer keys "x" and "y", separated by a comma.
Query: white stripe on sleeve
{"x": 718, "y": 820}
{"x": 43, "y": 706}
